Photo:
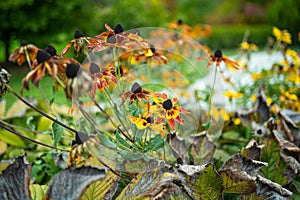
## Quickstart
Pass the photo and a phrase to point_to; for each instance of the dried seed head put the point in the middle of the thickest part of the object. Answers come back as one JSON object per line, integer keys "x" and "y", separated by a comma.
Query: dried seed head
{"x": 94, "y": 68}
{"x": 72, "y": 70}
{"x": 152, "y": 48}
{"x": 118, "y": 29}
{"x": 24, "y": 43}
{"x": 51, "y": 50}
{"x": 218, "y": 53}
{"x": 167, "y": 104}
{"x": 78, "y": 34}
{"x": 136, "y": 88}
{"x": 42, "y": 56}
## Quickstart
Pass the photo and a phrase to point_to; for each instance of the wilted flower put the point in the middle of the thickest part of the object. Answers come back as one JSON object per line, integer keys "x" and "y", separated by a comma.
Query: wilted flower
{"x": 4, "y": 79}
{"x": 78, "y": 43}
{"x": 25, "y": 53}
{"x": 79, "y": 82}
{"x": 136, "y": 92}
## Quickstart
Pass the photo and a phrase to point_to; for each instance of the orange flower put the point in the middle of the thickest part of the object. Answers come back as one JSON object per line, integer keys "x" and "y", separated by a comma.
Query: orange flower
{"x": 171, "y": 111}
{"x": 136, "y": 92}
{"x": 23, "y": 53}
{"x": 217, "y": 58}
{"x": 78, "y": 43}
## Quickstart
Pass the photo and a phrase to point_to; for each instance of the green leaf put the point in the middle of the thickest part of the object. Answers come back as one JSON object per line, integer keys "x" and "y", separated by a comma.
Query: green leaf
{"x": 238, "y": 182}
{"x": 37, "y": 191}
{"x": 51, "y": 101}
{"x": 57, "y": 132}
{"x": 204, "y": 181}
{"x": 29, "y": 123}
{"x": 155, "y": 143}
{"x": 102, "y": 189}
{"x": 11, "y": 139}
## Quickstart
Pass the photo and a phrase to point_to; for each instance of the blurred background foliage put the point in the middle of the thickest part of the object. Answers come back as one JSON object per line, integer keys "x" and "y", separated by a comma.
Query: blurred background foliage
{"x": 50, "y": 21}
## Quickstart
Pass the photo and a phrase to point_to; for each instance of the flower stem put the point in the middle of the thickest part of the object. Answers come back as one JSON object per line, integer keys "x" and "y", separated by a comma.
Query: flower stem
{"x": 211, "y": 95}
{"x": 39, "y": 111}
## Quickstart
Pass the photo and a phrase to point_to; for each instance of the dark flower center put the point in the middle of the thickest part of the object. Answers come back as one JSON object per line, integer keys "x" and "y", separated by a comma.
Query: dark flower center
{"x": 94, "y": 68}
{"x": 179, "y": 22}
{"x": 118, "y": 29}
{"x": 51, "y": 50}
{"x": 78, "y": 34}
{"x": 24, "y": 43}
{"x": 42, "y": 56}
{"x": 152, "y": 48}
{"x": 218, "y": 53}
{"x": 72, "y": 70}
{"x": 167, "y": 104}
{"x": 150, "y": 120}
{"x": 136, "y": 88}
{"x": 111, "y": 38}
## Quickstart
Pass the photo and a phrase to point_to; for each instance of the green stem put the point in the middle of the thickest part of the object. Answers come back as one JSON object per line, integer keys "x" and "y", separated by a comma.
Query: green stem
{"x": 211, "y": 95}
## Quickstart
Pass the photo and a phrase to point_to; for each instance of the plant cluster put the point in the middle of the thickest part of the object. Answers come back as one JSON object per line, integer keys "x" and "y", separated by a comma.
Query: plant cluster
{"x": 138, "y": 128}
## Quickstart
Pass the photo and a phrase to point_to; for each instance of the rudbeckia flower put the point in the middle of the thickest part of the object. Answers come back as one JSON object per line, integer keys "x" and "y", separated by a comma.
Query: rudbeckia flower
{"x": 246, "y": 46}
{"x": 136, "y": 92}
{"x": 25, "y": 53}
{"x": 282, "y": 36}
{"x": 217, "y": 58}
{"x": 78, "y": 43}
{"x": 232, "y": 95}
{"x": 171, "y": 111}
{"x": 102, "y": 76}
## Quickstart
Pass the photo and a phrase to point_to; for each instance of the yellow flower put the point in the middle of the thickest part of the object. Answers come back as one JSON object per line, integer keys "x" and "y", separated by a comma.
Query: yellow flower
{"x": 253, "y": 98}
{"x": 219, "y": 114}
{"x": 256, "y": 76}
{"x": 237, "y": 121}
{"x": 231, "y": 94}
{"x": 294, "y": 55}
{"x": 282, "y": 36}
{"x": 248, "y": 46}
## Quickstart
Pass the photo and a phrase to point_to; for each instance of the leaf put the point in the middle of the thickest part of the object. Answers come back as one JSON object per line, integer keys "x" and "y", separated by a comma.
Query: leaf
{"x": 178, "y": 147}
{"x": 155, "y": 143}
{"x": 238, "y": 182}
{"x": 44, "y": 124}
{"x": 57, "y": 132}
{"x": 3, "y": 147}
{"x": 271, "y": 189}
{"x": 252, "y": 150}
{"x": 290, "y": 129}
{"x": 37, "y": 191}
{"x": 261, "y": 106}
{"x": 203, "y": 180}
{"x": 14, "y": 181}
{"x": 51, "y": 101}
{"x": 202, "y": 148}
{"x": 159, "y": 184}
{"x": 3, "y": 166}
{"x": 29, "y": 123}
{"x": 11, "y": 139}
{"x": 239, "y": 163}
{"x": 71, "y": 183}
{"x": 103, "y": 189}
{"x": 2, "y": 108}
{"x": 18, "y": 109}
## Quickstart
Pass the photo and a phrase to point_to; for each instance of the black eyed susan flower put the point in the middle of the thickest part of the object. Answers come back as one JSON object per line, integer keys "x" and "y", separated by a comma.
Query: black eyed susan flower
{"x": 136, "y": 92}
{"x": 169, "y": 109}
{"x": 78, "y": 43}
{"x": 4, "y": 79}
{"x": 25, "y": 53}
{"x": 102, "y": 77}
{"x": 39, "y": 67}
{"x": 217, "y": 58}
